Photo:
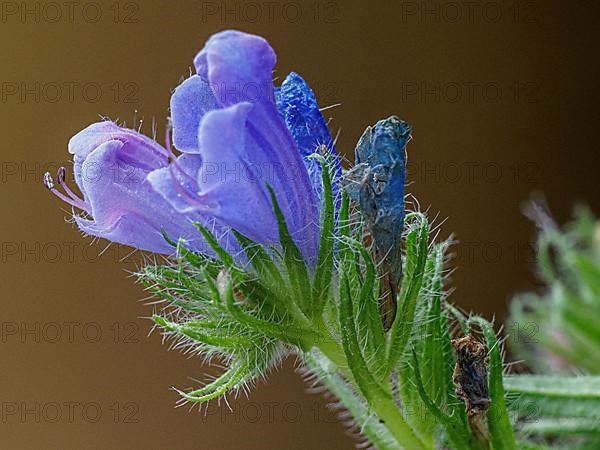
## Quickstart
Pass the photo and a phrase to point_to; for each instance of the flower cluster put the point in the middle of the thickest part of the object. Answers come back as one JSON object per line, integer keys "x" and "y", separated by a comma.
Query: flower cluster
{"x": 237, "y": 136}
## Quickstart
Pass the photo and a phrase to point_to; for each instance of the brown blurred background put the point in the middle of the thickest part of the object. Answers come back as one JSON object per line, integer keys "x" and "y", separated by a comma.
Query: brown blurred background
{"x": 503, "y": 101}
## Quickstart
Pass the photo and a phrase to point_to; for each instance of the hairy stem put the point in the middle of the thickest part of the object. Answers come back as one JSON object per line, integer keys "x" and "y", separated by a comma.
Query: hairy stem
{"x": 376, "y": 432}
{"x": 386, "y": 410}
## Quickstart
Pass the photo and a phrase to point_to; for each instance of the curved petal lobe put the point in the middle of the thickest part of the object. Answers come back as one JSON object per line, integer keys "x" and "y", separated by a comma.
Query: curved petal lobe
{"x": 191, "y": 100}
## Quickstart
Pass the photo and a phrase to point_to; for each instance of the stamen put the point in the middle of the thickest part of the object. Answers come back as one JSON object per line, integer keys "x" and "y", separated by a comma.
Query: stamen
{"x": 173, "y": 158}
{"x": 72, "y": 199}
{"x": 61, "y": 174}
{"x": 168, "y": 142}
{"x": 60, "y": 179}
{"x": 194, "y": 202}
{"x": 48, "y": 182}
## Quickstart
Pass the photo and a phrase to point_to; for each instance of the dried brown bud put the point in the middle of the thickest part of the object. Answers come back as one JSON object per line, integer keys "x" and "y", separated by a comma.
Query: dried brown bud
{"x": 471, "y": 374}
{"x": 471, "y": 382}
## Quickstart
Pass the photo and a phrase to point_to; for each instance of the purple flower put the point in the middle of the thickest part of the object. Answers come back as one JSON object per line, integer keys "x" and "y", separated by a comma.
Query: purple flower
{"x": 235, "y": 135}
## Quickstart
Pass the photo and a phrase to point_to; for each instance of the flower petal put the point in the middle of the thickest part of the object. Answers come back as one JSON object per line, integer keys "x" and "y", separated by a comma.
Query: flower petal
{"x": 230, "y": 178}
{"x": 298, "y": 107}
{"x": 178, "y": 183}
{"x": 143, "y": 153}
{"x": 125, "y": 208}
{"x": 128, "y": 230}
{"x": 300, "y": 111}
{"x": 191, "y": 100}
{"x": 238, "y": 67}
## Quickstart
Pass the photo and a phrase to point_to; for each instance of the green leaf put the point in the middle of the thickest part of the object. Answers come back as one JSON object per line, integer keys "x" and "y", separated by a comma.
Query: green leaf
{"x": 260, "y": 259}
{"x": 375, "y": 395}
{"x": 555, "y": 396}
{"x": 324, "y": 271}
{"x": 212, "y": 241}
{"x": 356, "y": 362}
{"x": 346, "y": 254}
{"x": 417, "y": 243}
{"x": 526, "y": 445}
{"x": 344, "y": 227}
{"x": 436, "y": 334}
{"x": 458, "y": 316}
{"x": 458, "y": 434}
{"x": 197, "y": 260}
{"x": 566, "y": 313}
{"x": 285, "y": 332}
{"x": 562, "y": 427}
{"x": 293, "y": 260}
{"x": 200, "y": 333}
{"x": 250, "y": 286}
{"x": 212, "y": 285}
{"x": 589, "y": 272}
{"x": 368, "y": 319}
{"x": 232, "y": 378}
{"x": 501, "y": 431}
